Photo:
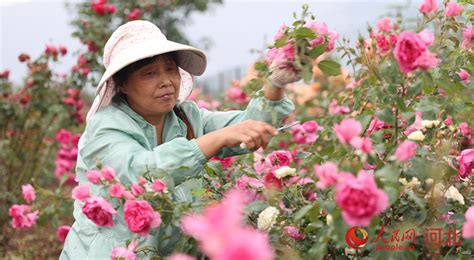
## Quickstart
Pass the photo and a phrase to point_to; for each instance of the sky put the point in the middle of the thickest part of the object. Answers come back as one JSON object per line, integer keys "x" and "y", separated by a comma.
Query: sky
{"x": 233, "y": 28}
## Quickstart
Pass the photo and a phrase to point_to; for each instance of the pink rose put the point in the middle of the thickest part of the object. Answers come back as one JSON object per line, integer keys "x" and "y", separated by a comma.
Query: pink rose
{"x": 126, "y": 253}
{"x": 179, "y": 256}
{"x": 468, "y": 228}
{"x": 137, "y": 189}
{"x": 464, "y": 76}
{"x": 428, "y": 6}
{"x": 62, "y": 232}
{"x": 333, "y": 36}
{"x": 158, "y": 185}
{"x": 28, "y": 193}
{"x": 465, "y": 130}
{"x": 317, "y": 27}
{"x": 225, "y": 162}
{"x": 376, "y": 124}
{"x": 279, "y": 158}
{"x": 347, "y": 129}
{"x": 416, "y": 126}
{"x": 271, "y": 181}
{"x": 93, "y": 176}
{"x": 81, "y": 192}
{"x": 468, "y": 34}
{"x": 453, "y": 9}
{"x": 22, "y": 216}
{"x": 280, "y": 33}
{"x": 426, "y": 61}
{"x": 99, "y": 211}
{"x": 261, "y": 163}
{"x": 140, "y": 217}
{"x": 237, "y": 95}
{"x": 427, "y": 37}
{"x": 305, "y": 133}
{"x": 293, "y": 232}
{"x": 406, "y": 151}
{"x": 384, "y": 24}
{"x": 108, "y": 173}
{"x": 221, "y": 233}
{"x": 328, "y": 175}
{"x": 363, "y": 144}
{"x": 249, "y": 187}
{"x": 281, "y": 55}
{"x": 360, "y": 199}
{"x": 51, "y": 50}
{"x": 466, "y": 163}
{"x": 411, "y": 51}
{"x": 310, "y": 195}
{"x": 128, "y": 195}
{"x": 334, "y": 108}
{"x": 63, "y": 136}
{"x": 448, "y": 121}
{"x": 117, "y": 190}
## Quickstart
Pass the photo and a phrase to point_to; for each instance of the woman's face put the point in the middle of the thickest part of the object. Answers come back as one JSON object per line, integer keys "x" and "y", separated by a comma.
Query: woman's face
{"x": 153, "y": 89}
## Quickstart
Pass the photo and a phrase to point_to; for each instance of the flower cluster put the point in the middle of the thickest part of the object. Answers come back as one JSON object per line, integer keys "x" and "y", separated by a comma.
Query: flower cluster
{"x": 23, "y": 215}
{"x": 74, "y": 100}
{"x": 67, "y": 155}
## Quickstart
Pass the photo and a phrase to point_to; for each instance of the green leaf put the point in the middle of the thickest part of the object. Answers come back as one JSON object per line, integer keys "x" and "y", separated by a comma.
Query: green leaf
{"x": 420, "y": 202}
{"x": 392, "y": 193}
{"x": 255, "y": 207}
{"x": 317, "y": 51}
{"x": 307, "y": 73}
{"x": 303, "y": 155}
{"x": 261, "y": 66}
{"x": 318, "y": 251}
{"x": 390, "y": 173}
{"x": 386, "y": 115}
{"x": 304, "y": 32}
{"x": 330, "y": 67}
{"x": 302, "y": 212}
{"x": 281, "y": 42}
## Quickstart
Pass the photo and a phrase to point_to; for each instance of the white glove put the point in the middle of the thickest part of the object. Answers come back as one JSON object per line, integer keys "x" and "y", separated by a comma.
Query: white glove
{"x": 282, "y": 75}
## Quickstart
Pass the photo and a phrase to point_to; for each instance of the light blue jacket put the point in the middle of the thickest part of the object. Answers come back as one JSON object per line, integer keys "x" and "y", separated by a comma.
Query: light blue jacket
{"x": 119, "y": 137}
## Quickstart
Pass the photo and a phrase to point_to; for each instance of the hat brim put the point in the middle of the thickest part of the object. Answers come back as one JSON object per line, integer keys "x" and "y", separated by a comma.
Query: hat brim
{"x": 190, "y": 59}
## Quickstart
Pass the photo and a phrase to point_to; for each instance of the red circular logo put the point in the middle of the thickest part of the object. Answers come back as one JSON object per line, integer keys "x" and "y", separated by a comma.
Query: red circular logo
{"x": 353, "y": 240}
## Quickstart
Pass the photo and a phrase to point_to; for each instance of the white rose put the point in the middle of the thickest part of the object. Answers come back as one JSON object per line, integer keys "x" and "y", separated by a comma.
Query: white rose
{"x": 430, "y": 123}
{"x": 416, "y": 136}
{"x": 329, "y": 219}
{"x": 437, "y": 192}
{"x": 429, "y": 181}
{"x": 284, "y": 171}
{"x": 410, "y": 185}
{"x": 267, "y": 218}
{"x": 453, "y": 193}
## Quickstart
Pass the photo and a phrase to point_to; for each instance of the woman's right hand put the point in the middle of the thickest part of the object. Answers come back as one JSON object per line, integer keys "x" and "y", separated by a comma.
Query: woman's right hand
{"x": 254, "y": 134}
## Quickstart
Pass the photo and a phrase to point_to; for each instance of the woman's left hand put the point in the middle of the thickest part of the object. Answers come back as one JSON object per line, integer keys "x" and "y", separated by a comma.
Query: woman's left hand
{"x": 280, "y": 75}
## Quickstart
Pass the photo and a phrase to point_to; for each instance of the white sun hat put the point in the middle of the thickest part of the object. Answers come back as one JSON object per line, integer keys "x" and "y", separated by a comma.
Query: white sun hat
{"x": 138, "y": 40}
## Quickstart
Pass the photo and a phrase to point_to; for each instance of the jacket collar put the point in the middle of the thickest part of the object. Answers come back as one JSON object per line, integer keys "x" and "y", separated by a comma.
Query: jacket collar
{"x": 173, "y": 127}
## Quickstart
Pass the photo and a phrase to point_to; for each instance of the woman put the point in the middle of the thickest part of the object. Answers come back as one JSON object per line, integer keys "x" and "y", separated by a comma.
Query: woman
{"x": 140, "y": 120}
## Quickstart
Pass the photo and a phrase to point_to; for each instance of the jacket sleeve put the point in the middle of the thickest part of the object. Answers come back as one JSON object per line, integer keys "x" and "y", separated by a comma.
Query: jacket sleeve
{"x": 122, "y": 150}
{"x": 260, "y": 108}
